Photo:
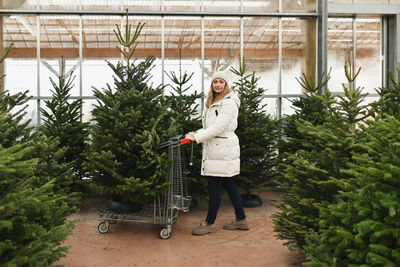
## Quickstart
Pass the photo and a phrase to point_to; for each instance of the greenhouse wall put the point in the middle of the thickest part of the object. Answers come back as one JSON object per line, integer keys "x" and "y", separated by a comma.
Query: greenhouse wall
{"x": 279, "y": 40}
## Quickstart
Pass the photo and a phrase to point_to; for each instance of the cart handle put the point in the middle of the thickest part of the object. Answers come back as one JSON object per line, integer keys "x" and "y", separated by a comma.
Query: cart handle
{"x": 172, "y": 142}
{"x": 184, "y": 141}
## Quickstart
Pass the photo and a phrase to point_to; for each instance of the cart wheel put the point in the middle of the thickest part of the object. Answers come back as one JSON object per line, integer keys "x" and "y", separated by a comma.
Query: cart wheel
{"x": 165, "y": 234}
{"x": 103, "y": 227}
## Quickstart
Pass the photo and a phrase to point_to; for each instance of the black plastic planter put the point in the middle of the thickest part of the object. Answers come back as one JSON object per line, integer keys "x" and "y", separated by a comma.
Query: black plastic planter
{"x": 123, "y": 207}
{"x": 193, "y": 204}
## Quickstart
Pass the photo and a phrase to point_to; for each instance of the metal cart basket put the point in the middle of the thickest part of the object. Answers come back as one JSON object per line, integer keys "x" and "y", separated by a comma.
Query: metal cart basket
{"x": 165, "y": 208}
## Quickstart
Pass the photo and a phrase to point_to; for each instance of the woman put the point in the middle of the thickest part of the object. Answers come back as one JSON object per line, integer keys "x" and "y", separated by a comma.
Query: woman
{"x": 221, "y": 152}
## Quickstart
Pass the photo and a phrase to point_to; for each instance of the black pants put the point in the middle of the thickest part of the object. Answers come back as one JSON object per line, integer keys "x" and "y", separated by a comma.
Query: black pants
{"x": 214, "y": 189}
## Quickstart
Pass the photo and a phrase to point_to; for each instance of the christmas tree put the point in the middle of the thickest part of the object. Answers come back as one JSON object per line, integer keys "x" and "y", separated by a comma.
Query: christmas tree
{"x": 258, "y": 134}
{"x": 315, "y": 176}
{"x": 130, "y": 122}
{"x": 389, "y": 100}
{"x": 34, "y": 204}
{"x": 362, "y": 228}
{"x": 50, "y": 166}
{"x": 33, "y": 224}
{"x": 185, "y": 106}
{"x": 186, "y": 109}
{"x": 13, "y": 105}
{"x": 310, "y": 107}
{"x": 63, "y": 119}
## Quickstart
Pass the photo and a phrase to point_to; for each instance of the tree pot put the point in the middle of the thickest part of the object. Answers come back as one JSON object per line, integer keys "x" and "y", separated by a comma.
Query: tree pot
{"x": 251, "y": 201}
{"x": 123, "y": 207}
{"x": 193, "y": 203}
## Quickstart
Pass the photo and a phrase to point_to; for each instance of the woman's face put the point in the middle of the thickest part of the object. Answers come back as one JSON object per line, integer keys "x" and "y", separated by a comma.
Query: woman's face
{"x": 218, "y": 85}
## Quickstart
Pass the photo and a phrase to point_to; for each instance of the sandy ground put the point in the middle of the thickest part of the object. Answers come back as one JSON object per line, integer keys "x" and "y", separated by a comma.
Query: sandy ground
{"x": 139, "y": 244}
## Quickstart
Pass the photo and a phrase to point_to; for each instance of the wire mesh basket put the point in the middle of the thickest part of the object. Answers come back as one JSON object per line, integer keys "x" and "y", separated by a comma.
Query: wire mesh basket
{"x": 165, "y": 208}
{"x": 181, "y": 202}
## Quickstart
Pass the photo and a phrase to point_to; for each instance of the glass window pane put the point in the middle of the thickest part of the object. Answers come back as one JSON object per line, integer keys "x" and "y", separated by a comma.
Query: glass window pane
{"x": 295, "y": 5}
{"x": 20, "y": 30}
{"x": 156, "y": 73}
{"x": 59, "y": 32}
{"x": 221, "y": 47}
{"x": 183, "y": 51}
{"x": 59, "y": 37}
{"x": 176, "y": 66}
{"x": 149, "y": 43}
{"x": 261, "y": 51}
{"x": 368, "y": 53}
{"x": 143, "y": 5}
{"x": 182, "y": 5}
{"x": 109, "y": 5}
{"x": 14, "y": 68}
{"x": 340, "y": 49}
{"x": 99, "y": 44}
{"x": 260, "y": 6}
{"x": 287, "y": 108}
{"x": 98, "y": 38}
{"x": 373, "y": 1}
{"x": 87, "y": 108}
{"x": 97, "y": 74}
{"x": 222, "y": 5}
{"x": 54, "y": 5}
{"x": 51, "y": 68}
{"x": 340, "y": 1}
{"x": 182, "y": 35}
{"x": 271, "y": 106}
{"x": 31, "y": 113}
{"x": 298, "y": 52}
{"x": 30, "y": 4}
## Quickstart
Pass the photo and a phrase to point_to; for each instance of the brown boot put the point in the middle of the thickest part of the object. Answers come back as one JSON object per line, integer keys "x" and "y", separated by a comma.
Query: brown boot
{"x": 236, "y": 224}
{"x": 204, "y": 228}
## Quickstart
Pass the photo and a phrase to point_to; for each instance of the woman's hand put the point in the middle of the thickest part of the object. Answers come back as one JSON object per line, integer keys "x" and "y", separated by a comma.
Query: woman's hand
{"x": 190, "y": 136}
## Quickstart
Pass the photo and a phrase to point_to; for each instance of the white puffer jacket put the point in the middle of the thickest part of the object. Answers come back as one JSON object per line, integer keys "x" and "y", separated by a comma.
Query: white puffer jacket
{"x": 221, "y": 151}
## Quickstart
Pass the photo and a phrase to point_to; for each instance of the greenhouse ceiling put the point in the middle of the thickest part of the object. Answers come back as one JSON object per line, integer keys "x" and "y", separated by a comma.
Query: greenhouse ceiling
{"x": 159, "y": 5}
{"x": 62, "y": 34}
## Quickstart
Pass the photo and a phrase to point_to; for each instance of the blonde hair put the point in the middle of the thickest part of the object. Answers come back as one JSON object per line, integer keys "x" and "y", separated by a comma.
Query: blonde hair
{"x": 210, "y": 96}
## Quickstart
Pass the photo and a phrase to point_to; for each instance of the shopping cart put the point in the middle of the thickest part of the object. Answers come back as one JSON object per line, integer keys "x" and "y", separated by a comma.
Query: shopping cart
{"x": 165, "y": 208}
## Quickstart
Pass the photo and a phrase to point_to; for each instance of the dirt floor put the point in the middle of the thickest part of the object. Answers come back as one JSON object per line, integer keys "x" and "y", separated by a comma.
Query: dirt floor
{"x": 139, "y": 244}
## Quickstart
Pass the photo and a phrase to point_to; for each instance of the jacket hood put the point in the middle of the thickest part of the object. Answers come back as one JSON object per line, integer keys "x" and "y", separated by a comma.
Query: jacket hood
{"x": 234, "y": 97}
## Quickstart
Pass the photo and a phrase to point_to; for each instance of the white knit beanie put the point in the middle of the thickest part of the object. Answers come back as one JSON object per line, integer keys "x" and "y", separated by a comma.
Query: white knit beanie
{"x": 221, "y": 75}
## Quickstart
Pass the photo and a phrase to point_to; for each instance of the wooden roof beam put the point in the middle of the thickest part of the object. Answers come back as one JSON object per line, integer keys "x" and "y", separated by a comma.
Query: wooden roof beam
{"x": 105, "y": 53}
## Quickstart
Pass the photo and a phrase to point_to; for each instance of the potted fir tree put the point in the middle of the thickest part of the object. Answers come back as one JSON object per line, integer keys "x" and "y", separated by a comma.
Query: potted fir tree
{"x": 185, "y": 106}
{"x": 63, "y": 120}
{"x": 317, "y": 171}
{"x": 130, "y": 121}
{"x": 354, "y": 229}
{"x": 258, "y": 134}
{"x": 35, "y": 199}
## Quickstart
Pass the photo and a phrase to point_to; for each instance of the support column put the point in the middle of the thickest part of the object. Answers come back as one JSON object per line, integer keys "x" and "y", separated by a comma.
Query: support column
{"x": 309, "y": 55}
{"x": 322, "y": 41}
{"x": 392, "y": 46}
{"x": 1, "y": 49}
